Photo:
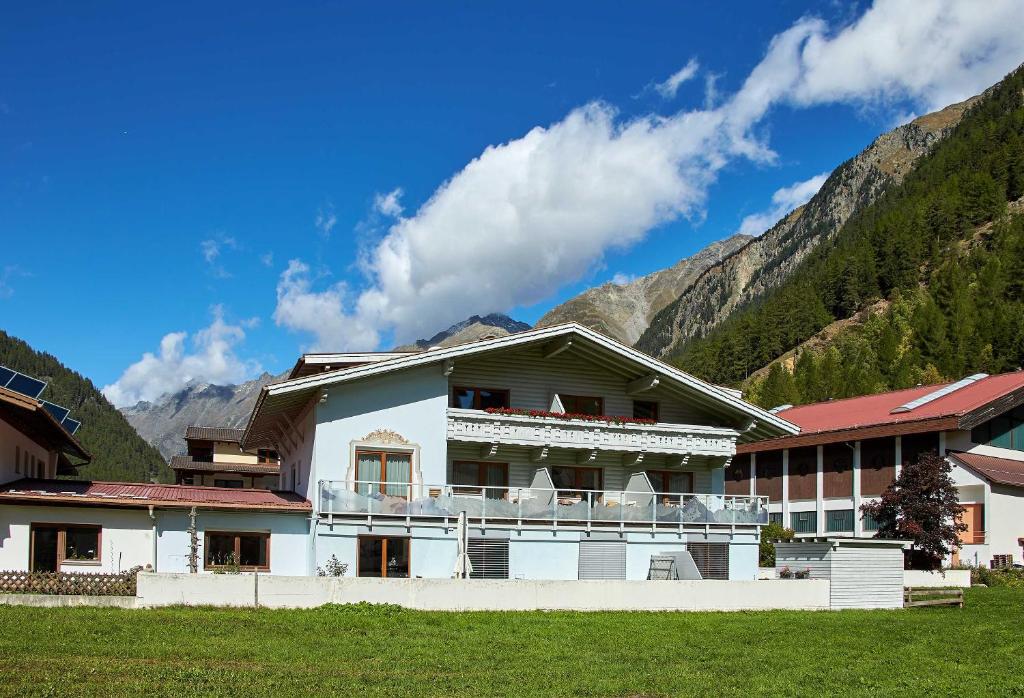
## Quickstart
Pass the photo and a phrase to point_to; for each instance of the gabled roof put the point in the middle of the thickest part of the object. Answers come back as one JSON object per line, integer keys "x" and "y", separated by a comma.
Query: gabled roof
{"x": 1001, "y": 471}
{"x": 944, "y": 406}
{"x": 185, "y": 462}
{"x": 309, "y": 364}
{"x": 134, "y": 494}
{"x": 200, "y": 433}
{"x": 28, "y": 416}
{"x": 287, "y": 398}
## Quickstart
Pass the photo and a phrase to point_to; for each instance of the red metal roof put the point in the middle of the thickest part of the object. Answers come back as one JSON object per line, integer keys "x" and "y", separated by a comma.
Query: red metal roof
{"x": 872, "y": 416}
{"x": 142, "y": 494}
{"x": 1003, "y": 471}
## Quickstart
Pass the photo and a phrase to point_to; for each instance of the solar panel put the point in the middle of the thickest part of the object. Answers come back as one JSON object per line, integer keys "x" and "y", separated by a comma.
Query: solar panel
{"x": 936, "y": 394}
{"x": 59, "y": 413}
{"x": 6, "y": 375}
{"x": 71, "y": 425}
{"x": 20, "y": 383}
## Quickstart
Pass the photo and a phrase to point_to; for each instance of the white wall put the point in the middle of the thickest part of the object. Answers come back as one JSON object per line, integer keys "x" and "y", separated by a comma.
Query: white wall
{"x": 412, "y": 403}
{"x": 947, "y": 578}
{"x": 1005, "y": 521}
{"x": 481, "y": 594}
{"x": 289, "y": 537}
{"x": 126, "y": 538}
{"x": 14, "y": 444}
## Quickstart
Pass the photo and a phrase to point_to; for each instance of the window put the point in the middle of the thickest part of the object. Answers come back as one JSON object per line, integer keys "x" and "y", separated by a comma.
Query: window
{"x": 266, "y": 455}
{"x": 234, "y": 484}
{"x": 202, "y": 454}
{"x": 250, "y": 551}
{"x": 582, "y": 404}
{"x": 467, "y": 476}
{"x": 567, "y": 479}
{"x": 839, "y": 520}
{"x": 479, "y": 398}
{"x": 1004, "y": 431}
{"x": 386, "y": 472}
{"x": 804, "y": 521}
{"x": 775, "y": 517}
{"x": 489, "y": 558}
{"x": 54, "y": 544}
{"x": 381, "y": 556}
{"x": 188, "y": 479}
{"x": 868, "y": 523}
{"x": 712, "y": 559}
{"x": 669, "y": 482}
{"x": 645, "y": 409}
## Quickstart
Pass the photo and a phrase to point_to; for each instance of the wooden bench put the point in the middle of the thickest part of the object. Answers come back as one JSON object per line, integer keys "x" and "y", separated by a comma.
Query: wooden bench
{"x": 927, "y": 596}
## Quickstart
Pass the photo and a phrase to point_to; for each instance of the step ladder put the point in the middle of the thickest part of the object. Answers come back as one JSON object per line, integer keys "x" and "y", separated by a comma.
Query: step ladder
{"x": 663, "y": 567}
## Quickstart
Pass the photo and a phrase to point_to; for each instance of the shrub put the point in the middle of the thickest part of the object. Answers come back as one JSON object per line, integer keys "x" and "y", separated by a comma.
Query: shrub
{"x": 772, "y": 531}
{"x": 1005, "y": 577}
{"x": 332, "y": 568}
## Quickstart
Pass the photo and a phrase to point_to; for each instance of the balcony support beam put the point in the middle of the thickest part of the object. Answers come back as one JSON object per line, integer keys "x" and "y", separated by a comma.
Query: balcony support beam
{"x": 642, "y": 384}
{"x": 539, "y": 454}
{"x": 586, "y": 457}
{"x": 489, "y": 451}
{"x": 633, "y": 460}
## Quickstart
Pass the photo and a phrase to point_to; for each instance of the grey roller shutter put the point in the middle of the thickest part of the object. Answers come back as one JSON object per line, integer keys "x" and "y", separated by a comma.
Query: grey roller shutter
{"x": 489, "y": 557}
{"x": 602, "y": 559}
{"x": 712, "y": 559}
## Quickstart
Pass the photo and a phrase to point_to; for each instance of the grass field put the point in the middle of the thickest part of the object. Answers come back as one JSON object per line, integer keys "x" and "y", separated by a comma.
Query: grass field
{"x": 391, "y": 652}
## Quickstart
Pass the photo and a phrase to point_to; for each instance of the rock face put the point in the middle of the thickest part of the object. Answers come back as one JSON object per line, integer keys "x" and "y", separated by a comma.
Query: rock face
{"x": 624, "y": 311}
{"x": 162, "y": 423}
{"x": 469, "y": 330}
{"x": 766, "y": 261}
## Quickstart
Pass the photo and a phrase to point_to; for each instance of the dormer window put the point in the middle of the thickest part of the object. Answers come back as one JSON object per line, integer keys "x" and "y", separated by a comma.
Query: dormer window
{"x": 479, "y": 398}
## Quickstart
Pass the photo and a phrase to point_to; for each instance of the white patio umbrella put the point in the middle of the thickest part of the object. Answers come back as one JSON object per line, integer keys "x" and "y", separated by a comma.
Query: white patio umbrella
{"x": 462, "y": 564}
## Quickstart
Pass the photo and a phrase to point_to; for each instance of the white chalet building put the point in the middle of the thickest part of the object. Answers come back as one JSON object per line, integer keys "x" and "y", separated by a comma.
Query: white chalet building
{"x": 573, "y": 457}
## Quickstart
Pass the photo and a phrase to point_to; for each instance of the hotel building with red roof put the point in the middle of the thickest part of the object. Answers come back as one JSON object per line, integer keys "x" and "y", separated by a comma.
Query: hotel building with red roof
{"x": 848, "y": 451}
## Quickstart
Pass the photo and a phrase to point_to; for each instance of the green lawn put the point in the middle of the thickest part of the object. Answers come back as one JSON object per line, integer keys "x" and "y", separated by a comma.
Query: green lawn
{"x": 389, "y": 652}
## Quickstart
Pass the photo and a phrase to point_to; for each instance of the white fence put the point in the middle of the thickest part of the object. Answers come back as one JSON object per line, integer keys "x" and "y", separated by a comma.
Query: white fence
{"x": 156, "y": 589}
{"x": 947, "y": 578}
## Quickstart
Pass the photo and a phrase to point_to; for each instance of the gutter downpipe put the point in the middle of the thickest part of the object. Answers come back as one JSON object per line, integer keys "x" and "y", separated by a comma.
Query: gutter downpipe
{"x": 152, "y": 516}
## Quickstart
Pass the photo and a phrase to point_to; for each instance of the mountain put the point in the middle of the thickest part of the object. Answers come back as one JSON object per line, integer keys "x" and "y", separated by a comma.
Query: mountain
{"x": 765, "y": 262}
{"x": 469, "y": 330}
{"x": 920, "y": 286}
{"x": 162, "y": 423}
{"x": 118, "y": 453}
{"x": 624, "y": 311}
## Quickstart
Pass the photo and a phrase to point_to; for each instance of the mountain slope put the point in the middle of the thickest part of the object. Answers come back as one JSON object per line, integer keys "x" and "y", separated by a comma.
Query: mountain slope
{"x": 625, "y": 311}
{"x": 767, "y": 261}
{"x": 469, "y": 330}
{"x": 162, "y": 423}
{"x": 943, "y": 251}
{"x": 118, "y": 453}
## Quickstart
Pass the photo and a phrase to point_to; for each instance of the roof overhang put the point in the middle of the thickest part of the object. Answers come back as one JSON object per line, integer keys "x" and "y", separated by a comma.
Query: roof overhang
{"x": 281, "y": 403}
{"x": 28, "y": 416}
{"x": 876, "y": 431}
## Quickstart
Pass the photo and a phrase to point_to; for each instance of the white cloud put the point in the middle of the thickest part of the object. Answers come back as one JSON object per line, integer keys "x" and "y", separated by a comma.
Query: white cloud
{"x": 670, "y": 87}
{"x": 7, "y": 275}
{"x": 783, "y": 201}
{"x": 621, "y": 279}
{"x": 211, "y": 251}
{"x": 389, "y": 204}
{"x": 536, "y": 213}
{"x": 326, "y": 220}
{"x": 267, "y": 259}
{"x": 212, "y": 359}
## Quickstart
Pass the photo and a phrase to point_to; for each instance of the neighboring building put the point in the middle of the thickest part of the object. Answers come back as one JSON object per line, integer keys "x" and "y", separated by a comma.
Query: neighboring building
{"x": 48, "y": 524}
{"x": 214, "y": 458}
{"x": 573, "y": 456}
{"x": 848, "y": 451}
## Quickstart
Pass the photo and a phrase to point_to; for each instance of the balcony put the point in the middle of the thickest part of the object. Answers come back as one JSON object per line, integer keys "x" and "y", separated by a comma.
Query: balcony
{"x": 515, "y": 506}
{"x": 682, "y": 440}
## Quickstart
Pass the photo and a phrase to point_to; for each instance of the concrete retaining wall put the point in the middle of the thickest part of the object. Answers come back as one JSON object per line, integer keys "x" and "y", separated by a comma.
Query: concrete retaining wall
{"x": 480, "y": 594}
{"x": 948, "y": 578}
{"x": 61, "y": 600}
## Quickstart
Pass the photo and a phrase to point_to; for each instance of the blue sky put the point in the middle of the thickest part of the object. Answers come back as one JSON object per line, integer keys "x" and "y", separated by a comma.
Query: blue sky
{"x": 162, "y": 167}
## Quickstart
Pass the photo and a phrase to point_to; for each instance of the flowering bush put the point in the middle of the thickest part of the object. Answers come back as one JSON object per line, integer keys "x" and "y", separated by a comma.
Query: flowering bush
{"x": 611, "y": 419}
{"x": 785, "y": 573}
